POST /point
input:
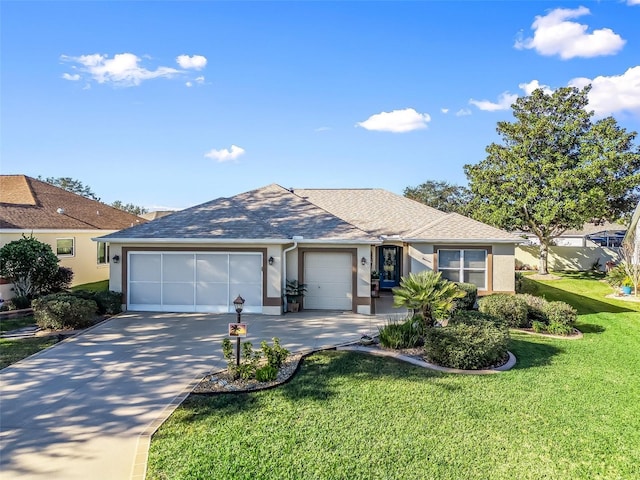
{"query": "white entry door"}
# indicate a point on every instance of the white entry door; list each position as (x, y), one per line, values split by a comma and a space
(328, 277)
(194, 282)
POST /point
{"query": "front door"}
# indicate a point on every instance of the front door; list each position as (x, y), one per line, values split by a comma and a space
(389, 261)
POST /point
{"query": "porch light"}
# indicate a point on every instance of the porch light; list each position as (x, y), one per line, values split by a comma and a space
(238, 303)
(116, 259)
(271, 260)
(363, 261)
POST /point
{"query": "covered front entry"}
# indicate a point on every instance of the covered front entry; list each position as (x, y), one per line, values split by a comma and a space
(329, 280)
(194, 281)
(390, 258)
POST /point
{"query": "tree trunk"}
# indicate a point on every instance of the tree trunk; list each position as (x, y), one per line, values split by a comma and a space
(544, 254)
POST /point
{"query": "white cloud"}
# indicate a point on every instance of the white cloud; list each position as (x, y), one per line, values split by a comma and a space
(463, 112)
(123, 69)
(633, 2)
(322, 129)
(534, 85)
(74, 78)
(225, 155)
(200, 79)
(189, 84)
(617, 93)
(397, 121)
(195, 62)
(505, 100)
(444, 110)
(555, 35)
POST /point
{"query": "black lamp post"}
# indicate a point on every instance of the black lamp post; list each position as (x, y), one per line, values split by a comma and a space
(238, 303)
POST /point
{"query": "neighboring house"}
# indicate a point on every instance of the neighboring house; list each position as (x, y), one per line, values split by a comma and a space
(201, 258)
(62, 219)
(156, 214)
(603, 234)
(634, 233)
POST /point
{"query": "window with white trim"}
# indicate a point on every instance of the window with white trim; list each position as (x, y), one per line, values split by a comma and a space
(468, 266)
(103, 253)
(65, 247)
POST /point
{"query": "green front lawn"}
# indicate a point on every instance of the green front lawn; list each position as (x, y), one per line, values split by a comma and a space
(8, 324)
(12, 350)
(568, 410)
(101, 286)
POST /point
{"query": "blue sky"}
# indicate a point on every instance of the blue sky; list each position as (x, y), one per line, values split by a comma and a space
(171, 104)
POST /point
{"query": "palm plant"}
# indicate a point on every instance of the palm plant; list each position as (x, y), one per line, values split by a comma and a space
(427, 294)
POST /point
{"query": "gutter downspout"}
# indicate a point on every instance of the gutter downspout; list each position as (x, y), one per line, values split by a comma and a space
(295, 239)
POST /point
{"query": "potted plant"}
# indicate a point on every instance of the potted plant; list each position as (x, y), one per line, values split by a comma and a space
(294, 292)
(626, 286)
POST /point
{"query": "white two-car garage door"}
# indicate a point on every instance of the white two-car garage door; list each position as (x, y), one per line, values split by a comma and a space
(194, 282)
(328, 277)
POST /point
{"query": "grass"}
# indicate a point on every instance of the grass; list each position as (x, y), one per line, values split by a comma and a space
(12, 350)
(569, 409)
(101, 286)
(7, 324)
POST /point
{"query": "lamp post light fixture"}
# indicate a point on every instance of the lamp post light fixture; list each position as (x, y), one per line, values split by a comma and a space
(238, 303)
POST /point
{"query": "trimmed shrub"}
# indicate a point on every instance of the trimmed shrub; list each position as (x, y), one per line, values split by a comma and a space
(61, 310)
(560, 313)
(473, 317)
(397, 335)
(469, 347)
(535, 308)
(510, 308)
(468, 302)
(266, 373)
(108, 302)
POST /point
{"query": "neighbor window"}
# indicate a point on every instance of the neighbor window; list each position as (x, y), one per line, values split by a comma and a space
(65, 247)
(103, 253)
(468, 266)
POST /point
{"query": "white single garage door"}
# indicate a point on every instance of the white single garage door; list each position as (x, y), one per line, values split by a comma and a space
(328, 277)
(194, 282)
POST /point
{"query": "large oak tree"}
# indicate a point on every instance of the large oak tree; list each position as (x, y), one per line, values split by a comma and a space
(555, 169)
(444, 196)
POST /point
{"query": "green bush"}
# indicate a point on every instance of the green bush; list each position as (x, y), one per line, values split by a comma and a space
(61, 310)
(560, 313)
(510, 308)
(266, 373)
(58, 282)
(474, 317)
(275, 355)
(398, 335)
(535, 308)
(19, 303)
(469, 347)
(468, 302)
(559, 328)
(108, 302)
(538, 327)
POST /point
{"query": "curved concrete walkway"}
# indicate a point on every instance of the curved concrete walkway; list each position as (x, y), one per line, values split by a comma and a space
(77, 410)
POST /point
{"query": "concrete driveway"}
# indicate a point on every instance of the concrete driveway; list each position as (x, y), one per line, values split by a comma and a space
(78, 409)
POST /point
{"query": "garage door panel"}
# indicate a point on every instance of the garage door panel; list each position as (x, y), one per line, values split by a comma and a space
(178, 293)
(178, 268)
(145, 293)
(145, 268)
(212, 268)
(211, 293)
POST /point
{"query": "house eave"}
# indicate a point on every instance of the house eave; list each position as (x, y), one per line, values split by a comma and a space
(465, 241)
(268, 241)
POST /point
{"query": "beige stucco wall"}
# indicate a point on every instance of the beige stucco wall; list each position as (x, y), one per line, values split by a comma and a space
(504, 268)
(84, 262)
(567, 258)
(421, 257)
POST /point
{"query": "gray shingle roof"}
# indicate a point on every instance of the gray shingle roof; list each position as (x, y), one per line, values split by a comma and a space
(270, 212)
(275, 213)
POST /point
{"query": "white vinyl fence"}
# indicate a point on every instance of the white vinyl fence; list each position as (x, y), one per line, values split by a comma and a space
(567, 258)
